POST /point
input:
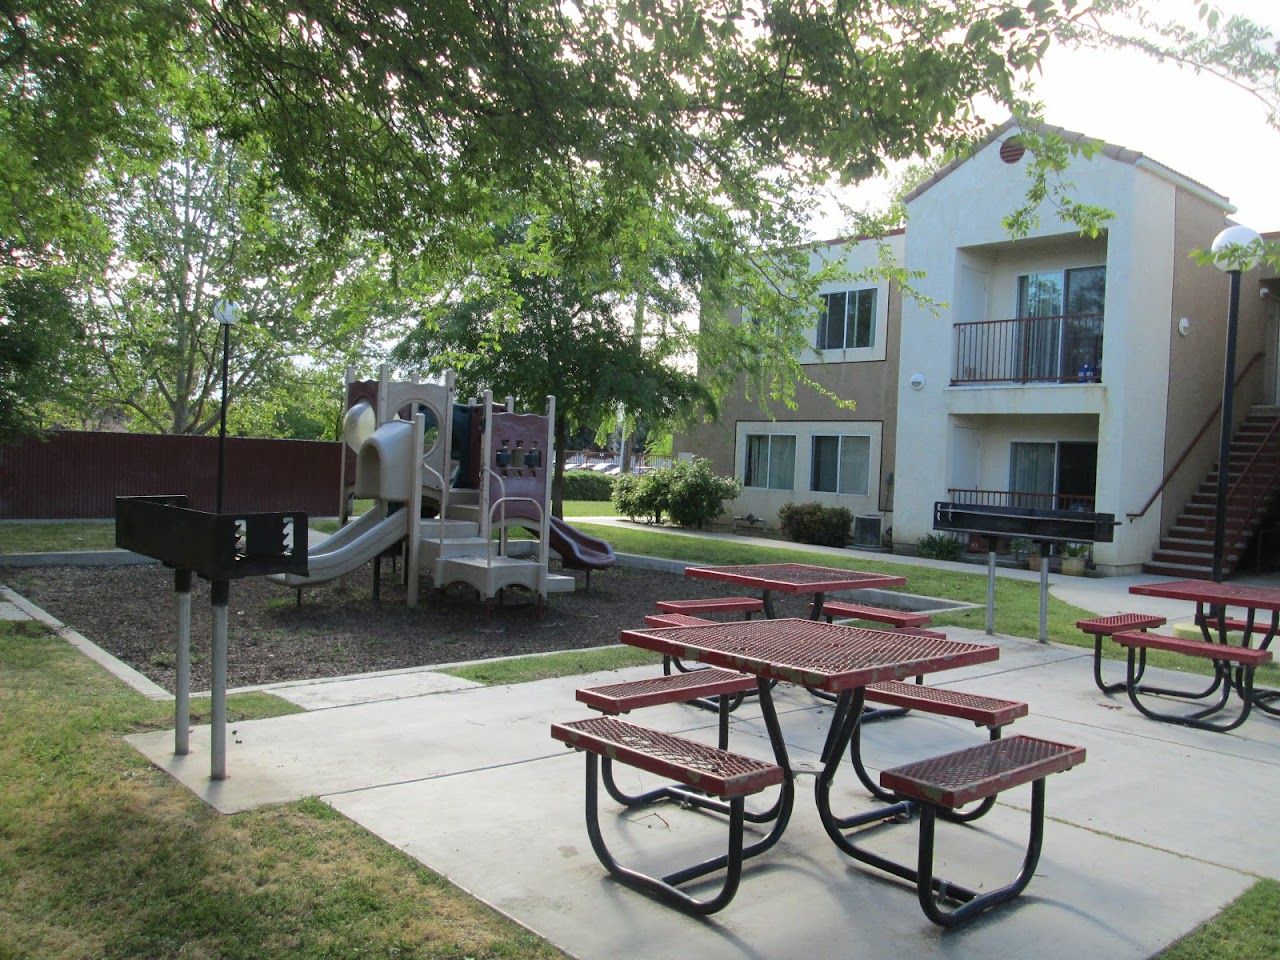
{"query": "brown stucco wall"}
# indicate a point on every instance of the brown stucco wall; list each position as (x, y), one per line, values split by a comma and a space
(1196, 361)
(872, 385)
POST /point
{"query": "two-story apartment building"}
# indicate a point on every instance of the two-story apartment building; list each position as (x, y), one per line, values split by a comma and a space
(1060, 371)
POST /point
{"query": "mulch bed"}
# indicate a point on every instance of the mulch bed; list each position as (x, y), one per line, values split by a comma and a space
(340, 629)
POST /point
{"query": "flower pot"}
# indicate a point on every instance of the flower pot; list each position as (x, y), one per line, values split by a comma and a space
(1073, 566)
(1033, 562)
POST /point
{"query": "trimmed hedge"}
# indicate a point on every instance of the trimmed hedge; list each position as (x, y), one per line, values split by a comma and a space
(587, 485)
(814, 523)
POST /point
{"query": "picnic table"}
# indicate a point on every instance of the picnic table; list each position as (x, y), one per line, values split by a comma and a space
(794, 578)
(834, 658)
(1258, 627)
(841, 660)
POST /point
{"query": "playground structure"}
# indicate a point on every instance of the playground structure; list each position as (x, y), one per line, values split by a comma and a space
(449, 481)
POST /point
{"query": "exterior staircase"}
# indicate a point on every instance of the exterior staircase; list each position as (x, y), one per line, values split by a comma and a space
(1253, 478)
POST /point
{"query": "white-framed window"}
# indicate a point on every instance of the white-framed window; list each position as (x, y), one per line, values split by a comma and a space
(770, 461)
(840, 464)
(847, 320)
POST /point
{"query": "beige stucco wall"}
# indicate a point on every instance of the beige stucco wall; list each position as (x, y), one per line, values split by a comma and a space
(1200, 294)
(872, 384)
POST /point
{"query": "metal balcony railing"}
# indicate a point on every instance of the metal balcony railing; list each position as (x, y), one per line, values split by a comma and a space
(1021, 498)
(1065, 349)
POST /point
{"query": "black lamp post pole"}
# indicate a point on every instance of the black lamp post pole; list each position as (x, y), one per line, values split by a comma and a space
(1224, 439)
(222, 417)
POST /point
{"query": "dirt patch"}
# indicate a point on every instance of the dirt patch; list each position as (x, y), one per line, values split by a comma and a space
(339, 628)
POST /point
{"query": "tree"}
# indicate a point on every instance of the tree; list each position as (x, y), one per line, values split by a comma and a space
(572, 339)
(209, 224)
(38, 330)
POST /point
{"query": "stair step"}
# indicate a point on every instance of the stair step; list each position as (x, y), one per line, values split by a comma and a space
(434, 529)
(1196, 571)
(1204, 557)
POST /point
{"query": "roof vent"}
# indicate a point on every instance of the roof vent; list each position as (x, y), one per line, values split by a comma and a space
(1011, 150)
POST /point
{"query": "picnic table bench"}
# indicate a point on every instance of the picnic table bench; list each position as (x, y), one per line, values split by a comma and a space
(1224, 657)
(1100, 627)
(724, 779)
(865, 611)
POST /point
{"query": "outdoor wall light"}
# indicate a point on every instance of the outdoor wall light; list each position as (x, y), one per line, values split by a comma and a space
(1184, 326)
(917, 381)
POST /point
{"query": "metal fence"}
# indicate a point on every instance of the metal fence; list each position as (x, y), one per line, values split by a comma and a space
(1035, 350)
(78, 475)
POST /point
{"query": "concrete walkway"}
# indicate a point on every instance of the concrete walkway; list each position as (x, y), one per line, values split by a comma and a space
(1140, 847)
(1155, 833)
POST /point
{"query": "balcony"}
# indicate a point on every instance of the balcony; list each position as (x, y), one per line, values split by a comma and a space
(1021, 498)
(1066, 349)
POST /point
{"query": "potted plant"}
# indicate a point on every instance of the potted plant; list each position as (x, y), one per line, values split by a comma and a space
(1073, 557)
(1020, 547)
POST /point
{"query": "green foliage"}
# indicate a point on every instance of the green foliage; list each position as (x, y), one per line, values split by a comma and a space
(587, 485)
(815, 523)
(570, 663)
(687, 491)
(940, 546)
(39, 329)
(640, 495)
(694, 495)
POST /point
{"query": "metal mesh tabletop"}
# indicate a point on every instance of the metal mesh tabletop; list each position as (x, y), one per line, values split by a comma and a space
(1206, 591)
(822, 655)
(795, 577)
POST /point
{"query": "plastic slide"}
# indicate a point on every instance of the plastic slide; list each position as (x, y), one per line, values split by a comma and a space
(577, 550)
(355, 544)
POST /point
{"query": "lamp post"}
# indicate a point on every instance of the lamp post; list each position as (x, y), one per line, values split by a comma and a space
(1233, 253)
(226, 313)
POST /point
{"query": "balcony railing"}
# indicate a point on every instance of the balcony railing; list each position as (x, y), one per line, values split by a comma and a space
(1022, 498)
(1064, 349)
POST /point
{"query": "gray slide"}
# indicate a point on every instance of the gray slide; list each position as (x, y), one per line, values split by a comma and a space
(353, 545)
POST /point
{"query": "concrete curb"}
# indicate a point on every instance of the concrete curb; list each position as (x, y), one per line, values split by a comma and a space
(116, 667)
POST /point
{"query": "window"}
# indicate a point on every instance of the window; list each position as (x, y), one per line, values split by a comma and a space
(848, 320)
(1031, 473)
(841, 464)
(1055, 293)
(771, 461)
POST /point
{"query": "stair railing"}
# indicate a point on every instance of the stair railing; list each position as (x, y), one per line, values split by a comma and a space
(1257, 480)
(1213, 416)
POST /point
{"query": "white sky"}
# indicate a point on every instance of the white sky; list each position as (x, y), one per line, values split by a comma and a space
(1199, 125)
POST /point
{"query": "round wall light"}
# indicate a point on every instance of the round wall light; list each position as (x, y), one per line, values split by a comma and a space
(917, 381)
(1184, 326)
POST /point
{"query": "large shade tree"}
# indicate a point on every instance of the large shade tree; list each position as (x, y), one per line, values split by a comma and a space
(426, 123)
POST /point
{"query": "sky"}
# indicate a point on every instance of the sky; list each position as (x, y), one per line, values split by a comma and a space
(1198, 125)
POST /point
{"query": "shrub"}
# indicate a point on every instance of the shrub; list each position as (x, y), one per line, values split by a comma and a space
(694, 495)
(940, 546)
(814, 523)
(687, 491)
(587, 485)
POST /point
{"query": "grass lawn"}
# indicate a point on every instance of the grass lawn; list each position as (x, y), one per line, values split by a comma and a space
(102, 855)
(68, 535)
(1017, 601)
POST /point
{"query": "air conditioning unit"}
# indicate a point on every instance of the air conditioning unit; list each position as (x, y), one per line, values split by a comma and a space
(866, 531)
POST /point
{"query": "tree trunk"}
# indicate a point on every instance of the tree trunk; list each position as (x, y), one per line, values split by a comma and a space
(557, 478)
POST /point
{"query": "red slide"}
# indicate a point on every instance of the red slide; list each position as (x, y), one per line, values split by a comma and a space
(579, 551)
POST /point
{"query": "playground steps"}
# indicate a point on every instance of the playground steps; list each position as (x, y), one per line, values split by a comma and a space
(489, 575)
(449, 529)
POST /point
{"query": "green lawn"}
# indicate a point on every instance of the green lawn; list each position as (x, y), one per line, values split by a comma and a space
(102, 855)
(68, 535)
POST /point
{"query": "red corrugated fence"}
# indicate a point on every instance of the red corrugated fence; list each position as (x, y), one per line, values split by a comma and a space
(71, 475)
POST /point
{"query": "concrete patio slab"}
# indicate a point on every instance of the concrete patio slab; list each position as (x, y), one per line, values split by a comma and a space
(1140, 847)
(1093, 896)
(323, 695)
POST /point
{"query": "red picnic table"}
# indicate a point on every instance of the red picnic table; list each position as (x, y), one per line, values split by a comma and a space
(1212, 600)
(844, 660)
(795, 578)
